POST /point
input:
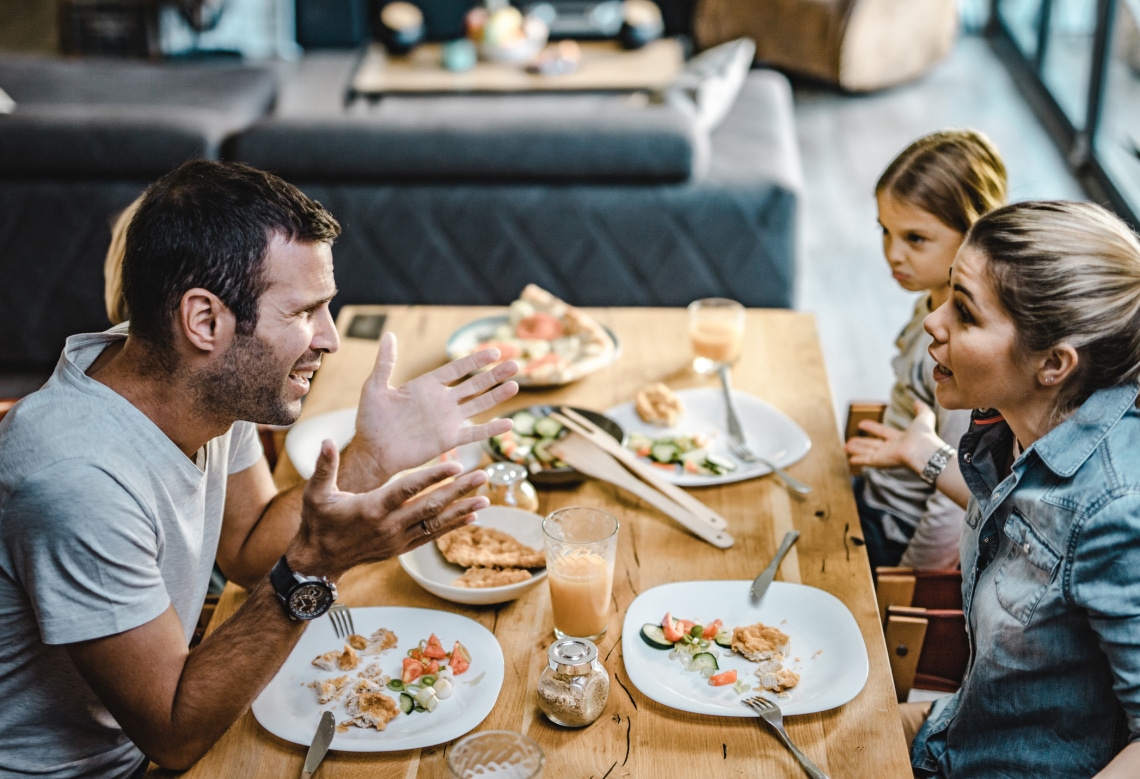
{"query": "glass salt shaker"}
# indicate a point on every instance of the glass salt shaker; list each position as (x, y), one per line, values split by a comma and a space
(574, 686)
(507, 486)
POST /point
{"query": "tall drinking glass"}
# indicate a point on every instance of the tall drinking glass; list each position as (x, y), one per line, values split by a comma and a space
(716, 331)
(581, 546)
(498, 753)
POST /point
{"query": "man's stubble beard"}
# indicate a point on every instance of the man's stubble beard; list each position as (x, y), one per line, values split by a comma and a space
(249, 384)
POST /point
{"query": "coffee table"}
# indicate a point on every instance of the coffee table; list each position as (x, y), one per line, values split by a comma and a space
(605, 67)
(636, 736)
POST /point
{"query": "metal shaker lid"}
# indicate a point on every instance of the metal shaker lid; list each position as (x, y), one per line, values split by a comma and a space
(572, 655)
(505, 473)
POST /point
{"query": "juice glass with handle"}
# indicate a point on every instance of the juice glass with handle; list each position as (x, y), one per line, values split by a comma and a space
(716, 331)
(581, 546)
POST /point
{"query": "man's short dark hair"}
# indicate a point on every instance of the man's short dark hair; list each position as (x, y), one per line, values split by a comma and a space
(209, 224)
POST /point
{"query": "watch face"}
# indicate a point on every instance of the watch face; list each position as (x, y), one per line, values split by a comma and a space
(310, 600)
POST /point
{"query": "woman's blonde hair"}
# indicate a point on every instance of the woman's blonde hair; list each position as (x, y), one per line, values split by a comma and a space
(954, 175)
(113, 266)
(1067, 273)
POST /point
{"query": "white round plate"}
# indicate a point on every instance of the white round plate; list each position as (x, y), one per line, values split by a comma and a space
(288, 707)
(431, 571)
(303, 441)
(826, 646)
(769, 432)
(464, 340)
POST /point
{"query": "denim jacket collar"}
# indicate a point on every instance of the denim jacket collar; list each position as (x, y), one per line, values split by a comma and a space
(1066, 447)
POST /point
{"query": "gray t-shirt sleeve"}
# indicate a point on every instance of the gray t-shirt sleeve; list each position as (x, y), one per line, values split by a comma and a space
(85, 552)
(245, 447)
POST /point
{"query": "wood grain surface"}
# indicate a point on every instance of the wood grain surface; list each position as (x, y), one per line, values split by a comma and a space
(635, 737)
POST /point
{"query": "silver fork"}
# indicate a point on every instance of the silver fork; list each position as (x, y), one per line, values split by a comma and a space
(341, 619)
(771, 714)
(736, 440)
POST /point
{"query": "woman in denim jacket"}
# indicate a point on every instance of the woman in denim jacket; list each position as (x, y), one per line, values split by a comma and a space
(1042, 335)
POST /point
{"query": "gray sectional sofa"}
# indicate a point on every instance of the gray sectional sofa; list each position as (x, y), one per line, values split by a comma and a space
(603, 199)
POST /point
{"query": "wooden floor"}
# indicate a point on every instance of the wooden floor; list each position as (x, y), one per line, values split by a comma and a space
(845, 143)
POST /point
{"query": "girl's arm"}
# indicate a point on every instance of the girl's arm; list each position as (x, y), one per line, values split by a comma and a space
(1126, 764)
(886, 447)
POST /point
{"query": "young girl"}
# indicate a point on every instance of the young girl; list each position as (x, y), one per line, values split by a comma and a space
(1042, 335)
(928, 198)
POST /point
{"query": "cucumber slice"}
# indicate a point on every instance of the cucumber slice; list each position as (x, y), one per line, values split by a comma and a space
(720, 464)
(724, 638)
(548, 428)
(407, 703)
(664, 452)
(704, 661)
(654, 635)
(542, 450)
(524, 422)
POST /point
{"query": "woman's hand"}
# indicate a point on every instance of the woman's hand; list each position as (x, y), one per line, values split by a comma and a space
(886, 447)
(404, 427)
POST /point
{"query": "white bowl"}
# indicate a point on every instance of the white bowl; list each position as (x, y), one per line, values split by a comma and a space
(430, 570)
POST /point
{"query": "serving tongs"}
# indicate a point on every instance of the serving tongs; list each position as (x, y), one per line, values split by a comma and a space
(592, 451)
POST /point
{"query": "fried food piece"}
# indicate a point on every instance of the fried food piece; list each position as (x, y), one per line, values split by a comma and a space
(491, 577)
(329, 689)
(778, 681)
(658, 405)
(357, 641)
(381, 640)
(348, 659)
(485, 547)
(327, 661)
(759, 642)
(370, 710)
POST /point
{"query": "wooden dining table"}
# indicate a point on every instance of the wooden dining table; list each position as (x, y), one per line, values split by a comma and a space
(635, 737)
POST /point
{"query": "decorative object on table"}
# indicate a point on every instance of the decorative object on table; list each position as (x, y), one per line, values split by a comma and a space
(288, 707)
(574, 685)
(303, 441)
(716, 332)
(558, 59)
(528, 443)
(826, 646)
(495, 752)
(459, 55)
(401, 27)
(580, 19)
(504, 34)
(429, 569)
(554, 342)
(581, 547)
(507, 486)
(641, 23)
(771, 432)
(710, 81)
(760, 583)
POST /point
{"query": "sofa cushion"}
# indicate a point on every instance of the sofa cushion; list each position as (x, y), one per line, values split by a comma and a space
(122, 117)
(710, 81)
(581, 138)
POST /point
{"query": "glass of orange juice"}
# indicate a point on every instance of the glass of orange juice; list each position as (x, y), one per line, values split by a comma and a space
(581, 546)
(716, 331)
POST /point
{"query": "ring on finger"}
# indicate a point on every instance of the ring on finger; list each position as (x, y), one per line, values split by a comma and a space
(427, 530)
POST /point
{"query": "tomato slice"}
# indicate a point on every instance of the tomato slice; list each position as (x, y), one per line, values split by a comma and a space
(670, 629)
(460, 659)
(434, 649)
(413, 669)
(712, 629)
(723, 678)
(539, 326)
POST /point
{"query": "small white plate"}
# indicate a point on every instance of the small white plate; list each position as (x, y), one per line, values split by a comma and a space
(769, 432)
(431, 571)
(826, 646)
(464, 341)
(288, 707)
(303, 441)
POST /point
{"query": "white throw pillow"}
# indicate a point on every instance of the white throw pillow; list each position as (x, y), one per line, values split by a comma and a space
(711, 81)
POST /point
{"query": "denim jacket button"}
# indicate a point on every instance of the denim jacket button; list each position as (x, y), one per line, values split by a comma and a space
(968, 457)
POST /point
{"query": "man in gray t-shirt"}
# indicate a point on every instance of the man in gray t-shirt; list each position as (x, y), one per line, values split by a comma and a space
(137, 466)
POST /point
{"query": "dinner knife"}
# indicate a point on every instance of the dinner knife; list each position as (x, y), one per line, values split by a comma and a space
(320, 745)
(761, 582)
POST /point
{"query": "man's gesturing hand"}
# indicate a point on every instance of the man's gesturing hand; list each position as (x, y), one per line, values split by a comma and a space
(340, 530)
(403, 427)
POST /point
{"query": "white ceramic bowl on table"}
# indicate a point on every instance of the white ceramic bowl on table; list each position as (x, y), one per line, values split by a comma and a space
(430, 570)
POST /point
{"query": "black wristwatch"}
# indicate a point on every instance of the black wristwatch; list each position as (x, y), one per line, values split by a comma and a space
(304, 597)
